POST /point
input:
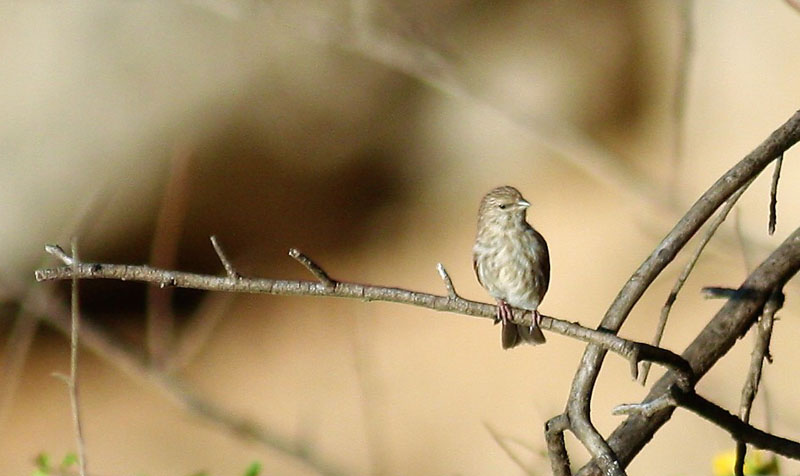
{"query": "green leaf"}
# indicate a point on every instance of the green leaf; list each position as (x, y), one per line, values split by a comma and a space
(69, 460)
(42, 462)
(254, 469)
(39, 472)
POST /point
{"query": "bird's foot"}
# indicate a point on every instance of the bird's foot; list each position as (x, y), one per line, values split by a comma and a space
(504, 313)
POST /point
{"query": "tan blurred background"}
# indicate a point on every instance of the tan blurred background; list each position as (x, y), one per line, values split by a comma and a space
(364, 133)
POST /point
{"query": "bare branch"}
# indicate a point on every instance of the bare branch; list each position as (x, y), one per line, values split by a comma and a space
(448, 283)
(556, 449)
(318, 272)
(229, 269)
(714, 341)
(741, 431)
(738, 429)
(773, 195)
(583, 383)
(760, 352)
(635, 352)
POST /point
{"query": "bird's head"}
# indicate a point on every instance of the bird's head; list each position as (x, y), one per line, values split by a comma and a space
(503, 205)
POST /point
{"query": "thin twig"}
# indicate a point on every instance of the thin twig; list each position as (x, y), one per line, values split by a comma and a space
(646, 409)
(59, 253)
(713, 225)
(773, 195)
(318, 272)
(760, 353)
(229, 269)
(448, 283)
(73, 364)
(21, 337)
(739, 430)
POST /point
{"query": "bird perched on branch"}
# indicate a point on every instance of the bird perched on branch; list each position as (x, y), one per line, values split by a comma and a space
(512, 262)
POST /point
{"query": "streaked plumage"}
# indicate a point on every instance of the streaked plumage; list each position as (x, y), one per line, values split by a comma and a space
(511, 261)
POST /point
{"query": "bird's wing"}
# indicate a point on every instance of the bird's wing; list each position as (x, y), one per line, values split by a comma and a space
(475, 268)
(543, 255)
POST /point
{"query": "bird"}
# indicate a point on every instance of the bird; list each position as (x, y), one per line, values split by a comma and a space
(512, 262)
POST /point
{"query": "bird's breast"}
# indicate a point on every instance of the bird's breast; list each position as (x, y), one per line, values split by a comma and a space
(510, 268)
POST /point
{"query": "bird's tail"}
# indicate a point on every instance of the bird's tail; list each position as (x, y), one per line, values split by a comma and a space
(514, 334)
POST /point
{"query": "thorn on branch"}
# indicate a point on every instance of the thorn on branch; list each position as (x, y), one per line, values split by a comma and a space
(229, 269)
(59, 253)
(634, 361)
(773, 195)
(318, 272)
(448, 283)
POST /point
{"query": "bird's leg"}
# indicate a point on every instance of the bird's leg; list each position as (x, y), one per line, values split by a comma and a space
(504, 313)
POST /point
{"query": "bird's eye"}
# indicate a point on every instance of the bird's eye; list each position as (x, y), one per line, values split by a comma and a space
(502, 206)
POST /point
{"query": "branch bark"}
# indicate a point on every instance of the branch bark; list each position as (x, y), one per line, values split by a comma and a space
(730, 323)
(578, 405)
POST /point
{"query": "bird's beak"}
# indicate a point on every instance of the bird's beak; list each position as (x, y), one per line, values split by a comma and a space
(524, 203)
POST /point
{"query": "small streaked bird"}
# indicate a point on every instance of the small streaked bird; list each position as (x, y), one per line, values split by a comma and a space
(512, 262)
